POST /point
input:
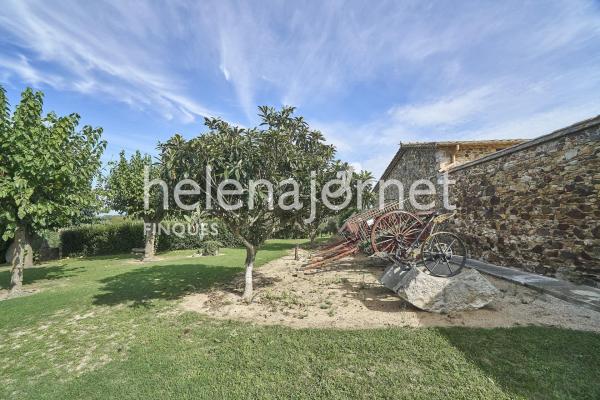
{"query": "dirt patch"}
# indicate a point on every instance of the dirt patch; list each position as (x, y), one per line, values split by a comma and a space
(146, 262)
(349, 296)
(5, 293)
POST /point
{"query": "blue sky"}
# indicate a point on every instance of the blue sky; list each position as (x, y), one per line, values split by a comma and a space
(368, 74)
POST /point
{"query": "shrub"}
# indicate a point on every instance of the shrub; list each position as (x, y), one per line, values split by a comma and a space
(121, 237)
(194, 241)
(329, 227)
(102, 239)
(210, 247)
(3, 247)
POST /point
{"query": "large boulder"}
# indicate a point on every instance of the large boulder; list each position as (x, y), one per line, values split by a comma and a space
(468, 290)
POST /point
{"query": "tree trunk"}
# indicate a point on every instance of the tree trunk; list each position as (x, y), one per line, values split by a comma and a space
(151, 228)
(28, 260)
(12, 250)
(22, 248)
(313, 236)
(250, 256)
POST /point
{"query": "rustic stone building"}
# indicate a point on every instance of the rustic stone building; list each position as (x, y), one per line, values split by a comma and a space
(422, 160)
(534, 205)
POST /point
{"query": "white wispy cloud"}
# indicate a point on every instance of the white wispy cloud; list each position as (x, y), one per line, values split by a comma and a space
(21, 66)
(446, 111)
(537, 124)
(97, 55)
(502, 109)
(368, 74)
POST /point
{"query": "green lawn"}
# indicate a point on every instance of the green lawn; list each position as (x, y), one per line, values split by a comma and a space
(107, 328)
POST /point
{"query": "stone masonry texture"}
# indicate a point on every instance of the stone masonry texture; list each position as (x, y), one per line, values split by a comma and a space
(536, 207)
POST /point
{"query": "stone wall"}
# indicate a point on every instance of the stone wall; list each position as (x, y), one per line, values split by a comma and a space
(415, 163)
(535, 206)
(467, 154)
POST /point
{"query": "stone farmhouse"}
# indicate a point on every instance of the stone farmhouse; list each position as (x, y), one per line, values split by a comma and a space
(425, 160)
(532, 205)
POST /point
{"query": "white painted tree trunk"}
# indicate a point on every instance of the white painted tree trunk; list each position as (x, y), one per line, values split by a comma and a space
(250, 255)
(313, 236)
(22, 247)
(150, 241)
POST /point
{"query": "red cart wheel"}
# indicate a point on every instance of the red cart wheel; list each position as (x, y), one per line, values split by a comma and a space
(393, 230)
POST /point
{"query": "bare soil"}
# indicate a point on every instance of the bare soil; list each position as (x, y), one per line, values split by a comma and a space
(5, 293)
(349, 296)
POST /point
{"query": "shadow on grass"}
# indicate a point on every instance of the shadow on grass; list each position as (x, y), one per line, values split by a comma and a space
(167, 282)
(35, 274)
(122, 256)
(534, 362)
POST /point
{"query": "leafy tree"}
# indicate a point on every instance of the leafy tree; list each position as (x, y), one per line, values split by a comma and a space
(315, 168)
(346, 204)
(281, 148)
(124, 190)
(322, 171)
(46, 172)
(330, 226)
(368, 196)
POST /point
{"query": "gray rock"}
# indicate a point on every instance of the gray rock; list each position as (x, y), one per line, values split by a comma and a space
(571, 153)
(468, 290)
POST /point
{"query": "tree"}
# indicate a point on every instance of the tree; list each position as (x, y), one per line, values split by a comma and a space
(277, 150)
(46, 172)
(322, 171)
(124, 190)
(317, 167)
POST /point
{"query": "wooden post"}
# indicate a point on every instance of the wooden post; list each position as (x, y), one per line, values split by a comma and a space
(296, 253)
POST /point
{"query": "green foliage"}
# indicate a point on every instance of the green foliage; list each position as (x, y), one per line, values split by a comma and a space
(119, 238)
(365, 247)
(282, 147)
(190, 242)
(3, 247)
(289, 232)
(124, 187)
(329, 227)
(210, 247)
(52, 238)
(46, 166)
(102, 239)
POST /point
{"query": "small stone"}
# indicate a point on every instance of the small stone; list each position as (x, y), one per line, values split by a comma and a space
(526, 298)
(568, 255)
(538, 249)
(569, 154)
(576, 214)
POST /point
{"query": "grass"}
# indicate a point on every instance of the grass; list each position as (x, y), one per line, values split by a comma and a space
(107, 328)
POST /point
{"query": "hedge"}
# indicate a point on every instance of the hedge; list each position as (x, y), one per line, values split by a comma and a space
(3, 247)
(118, 238)
(175, 242)
(102, 239)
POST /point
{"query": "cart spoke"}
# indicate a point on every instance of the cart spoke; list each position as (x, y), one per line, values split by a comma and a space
(398, 225)
(435, 265)
(448, 265)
